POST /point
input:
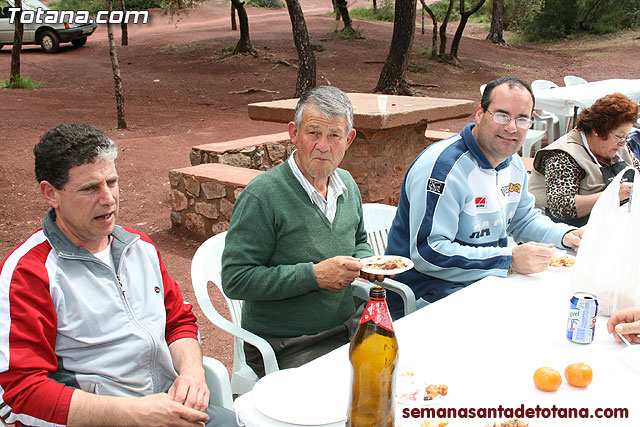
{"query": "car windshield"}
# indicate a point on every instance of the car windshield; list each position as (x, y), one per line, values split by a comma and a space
(31, 5)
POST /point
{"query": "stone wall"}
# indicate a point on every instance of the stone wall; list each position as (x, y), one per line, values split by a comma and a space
(202, 196)
(260, 153)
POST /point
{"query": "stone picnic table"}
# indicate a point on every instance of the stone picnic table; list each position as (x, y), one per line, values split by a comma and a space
(386, 143)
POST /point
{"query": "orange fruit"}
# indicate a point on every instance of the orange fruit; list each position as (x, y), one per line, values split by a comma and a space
(578, 374)
(547, 379)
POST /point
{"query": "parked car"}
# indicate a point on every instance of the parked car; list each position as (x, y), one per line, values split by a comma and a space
(39, 31)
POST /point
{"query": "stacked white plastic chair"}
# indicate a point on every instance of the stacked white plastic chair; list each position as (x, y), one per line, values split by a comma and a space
(573, 80)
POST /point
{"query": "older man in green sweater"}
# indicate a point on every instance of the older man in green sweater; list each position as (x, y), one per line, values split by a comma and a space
(295, 239)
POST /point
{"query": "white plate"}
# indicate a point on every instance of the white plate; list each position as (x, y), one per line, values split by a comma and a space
(417, 384)
(282, 397)
(560, 255)
(379, 259)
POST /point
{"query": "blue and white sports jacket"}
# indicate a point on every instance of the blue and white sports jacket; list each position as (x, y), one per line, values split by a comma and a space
(456, 211)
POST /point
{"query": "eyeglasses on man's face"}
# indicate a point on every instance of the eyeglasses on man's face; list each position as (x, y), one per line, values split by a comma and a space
(503, 119)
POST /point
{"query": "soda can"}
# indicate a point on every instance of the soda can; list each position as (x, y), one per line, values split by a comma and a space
(581, 325)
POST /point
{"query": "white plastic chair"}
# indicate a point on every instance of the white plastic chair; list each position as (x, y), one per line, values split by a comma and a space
(573, 80)
(542, 118)
(534, 137)
(218, 381)
(377, 222)
(206, 267)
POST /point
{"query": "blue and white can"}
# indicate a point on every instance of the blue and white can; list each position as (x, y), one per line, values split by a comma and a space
(581, 325)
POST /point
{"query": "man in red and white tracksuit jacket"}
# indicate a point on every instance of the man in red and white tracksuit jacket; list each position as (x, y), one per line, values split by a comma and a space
(93, 331)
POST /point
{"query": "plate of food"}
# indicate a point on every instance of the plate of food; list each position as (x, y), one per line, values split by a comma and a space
(419, 390)
(562, 262)
(387, 265)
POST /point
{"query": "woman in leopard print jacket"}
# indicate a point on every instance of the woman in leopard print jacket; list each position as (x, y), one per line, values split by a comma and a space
(570, 174)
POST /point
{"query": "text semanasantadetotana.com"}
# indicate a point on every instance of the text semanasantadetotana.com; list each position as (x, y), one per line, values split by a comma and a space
(520, 412)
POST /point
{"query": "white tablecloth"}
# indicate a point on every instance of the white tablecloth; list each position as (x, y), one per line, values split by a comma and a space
(562, 100)
(485, 342)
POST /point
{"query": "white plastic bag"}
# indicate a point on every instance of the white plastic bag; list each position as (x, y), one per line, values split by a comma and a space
(608, 260)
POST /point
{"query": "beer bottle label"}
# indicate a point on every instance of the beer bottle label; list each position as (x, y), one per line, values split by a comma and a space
(377, 311)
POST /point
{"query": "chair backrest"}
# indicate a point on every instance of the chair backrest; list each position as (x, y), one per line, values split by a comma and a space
(377, 222)
(206, 267)
(573, 80)
(542, 84)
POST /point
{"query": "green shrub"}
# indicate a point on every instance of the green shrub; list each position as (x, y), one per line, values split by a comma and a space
(384, 14)
(267, 4)
(23, 83)
(440, 10)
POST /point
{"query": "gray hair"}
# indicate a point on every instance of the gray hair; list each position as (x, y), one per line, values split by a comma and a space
(331, 101)
(69, 145)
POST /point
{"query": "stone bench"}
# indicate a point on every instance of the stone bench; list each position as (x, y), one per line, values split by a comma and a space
(436, 135)
(257, 152)
(202, 196)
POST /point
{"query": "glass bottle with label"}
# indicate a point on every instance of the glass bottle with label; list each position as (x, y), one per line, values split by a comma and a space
(373, 354)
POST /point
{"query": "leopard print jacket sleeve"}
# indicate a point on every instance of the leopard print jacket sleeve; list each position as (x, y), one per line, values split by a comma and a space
(562, 181)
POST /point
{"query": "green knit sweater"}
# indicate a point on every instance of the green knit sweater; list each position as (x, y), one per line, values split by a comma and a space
(275, 236)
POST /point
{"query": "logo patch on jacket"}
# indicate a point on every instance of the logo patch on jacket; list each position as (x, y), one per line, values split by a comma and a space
(511, 188)
(435, 186)
(481, 202)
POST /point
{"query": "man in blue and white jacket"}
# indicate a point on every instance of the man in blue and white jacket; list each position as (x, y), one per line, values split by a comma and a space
(462, 198)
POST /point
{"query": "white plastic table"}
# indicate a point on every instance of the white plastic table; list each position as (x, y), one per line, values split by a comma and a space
(485, 342)
(565, 101)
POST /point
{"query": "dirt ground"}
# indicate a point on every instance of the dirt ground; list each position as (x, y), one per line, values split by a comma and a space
(178, 94)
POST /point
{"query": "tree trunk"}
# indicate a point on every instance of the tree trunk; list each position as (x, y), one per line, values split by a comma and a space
(464, 18)
(335, 9)
(117, 80)
(179, 4)
(391, 79)
(234, 27)
(244, 44)
(443, 31)
(14, 74)
(344, 13)
(123, 26)
(586, 15)
(497, 23)
(307, 67)
(434, 38)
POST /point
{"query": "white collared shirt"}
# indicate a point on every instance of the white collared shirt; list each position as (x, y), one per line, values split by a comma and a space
(335, 188)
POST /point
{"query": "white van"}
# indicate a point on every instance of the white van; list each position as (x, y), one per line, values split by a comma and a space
(47, 35)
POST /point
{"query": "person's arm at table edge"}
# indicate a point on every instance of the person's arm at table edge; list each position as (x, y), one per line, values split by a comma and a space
(529, 225)
(248, 247)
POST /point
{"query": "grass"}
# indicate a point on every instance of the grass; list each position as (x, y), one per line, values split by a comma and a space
(176, 49)
(384, 14)
(23, 83)
(416, 68)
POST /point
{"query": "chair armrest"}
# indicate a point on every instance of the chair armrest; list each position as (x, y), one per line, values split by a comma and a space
(268, 355)
(218, 382)
(405, 292)
(361, 290)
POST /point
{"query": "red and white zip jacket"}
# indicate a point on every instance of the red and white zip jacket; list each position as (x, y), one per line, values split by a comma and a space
(68, 320)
